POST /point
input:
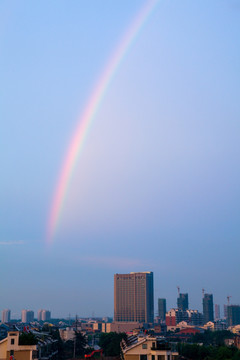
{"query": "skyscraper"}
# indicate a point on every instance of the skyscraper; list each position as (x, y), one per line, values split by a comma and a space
(44, 315)
(182, 302)
(6, 314)
(133, 297)
(217, 311)
(233, 315)
(207, 308)
(27, 316)
(162, 309)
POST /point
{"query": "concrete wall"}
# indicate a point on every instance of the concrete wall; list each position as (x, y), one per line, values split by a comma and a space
(3, 349)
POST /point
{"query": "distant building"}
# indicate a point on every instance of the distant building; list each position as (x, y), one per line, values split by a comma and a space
(6, 316)
(27, 316)
(162, 309)
(176, 316)
(194, 317)
(39, 315)
(120, 327)
(208, 308)
(44, 315)
(217, 311)
(225, 311)
(182, 302)
(233, 315)
(67, 334)
(133, 297)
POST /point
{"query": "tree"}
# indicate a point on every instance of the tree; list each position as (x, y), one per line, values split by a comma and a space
(80, 343)
(110, 343)
(27, 339)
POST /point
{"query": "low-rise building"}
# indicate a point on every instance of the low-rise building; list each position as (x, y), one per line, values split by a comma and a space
(44, 348)
(120, 326)
(147, 348)
(175, 316)
(67, 334)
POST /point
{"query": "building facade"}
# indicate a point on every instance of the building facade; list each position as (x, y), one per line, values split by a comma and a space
(182, 302)
(44, 315)
(217, 311)
(147, 348)
(27, 316)
(133, 297)
(45, 348)
(162, 309)
(208, 308)
(233, 315)
(6, 316)
(176, 316)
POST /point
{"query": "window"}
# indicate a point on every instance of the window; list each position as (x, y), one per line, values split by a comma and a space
(153, 345)
(161, 357)
(143, 357)
(153, 357)
(144, 346)
(11, 352)
(12, 341)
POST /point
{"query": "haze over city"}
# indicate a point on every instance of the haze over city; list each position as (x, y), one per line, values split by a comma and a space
(156, 184)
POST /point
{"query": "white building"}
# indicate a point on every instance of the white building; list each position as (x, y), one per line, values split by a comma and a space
(6, 315)
(44, 315)
(27, 316)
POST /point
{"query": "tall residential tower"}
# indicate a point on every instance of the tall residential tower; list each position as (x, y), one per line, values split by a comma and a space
(207, 308)
(162, 309)
(182, 302)
(133, 297)
(6, 315)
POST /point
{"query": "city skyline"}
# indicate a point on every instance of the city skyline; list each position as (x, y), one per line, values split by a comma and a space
(208, 309)
(156, 185)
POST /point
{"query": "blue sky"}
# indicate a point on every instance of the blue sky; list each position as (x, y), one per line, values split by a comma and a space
(157, 184)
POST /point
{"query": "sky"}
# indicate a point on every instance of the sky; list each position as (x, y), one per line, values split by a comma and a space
(156, 184)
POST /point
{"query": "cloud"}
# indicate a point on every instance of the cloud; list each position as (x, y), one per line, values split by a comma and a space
(11, 243)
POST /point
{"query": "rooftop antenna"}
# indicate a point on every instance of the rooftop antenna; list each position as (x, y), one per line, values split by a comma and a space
(178, 289)
(203, 291)
(228, 299)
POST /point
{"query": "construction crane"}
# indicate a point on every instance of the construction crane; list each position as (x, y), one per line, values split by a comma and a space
(228, 299)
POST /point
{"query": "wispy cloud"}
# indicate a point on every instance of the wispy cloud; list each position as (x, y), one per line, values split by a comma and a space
(11, 243)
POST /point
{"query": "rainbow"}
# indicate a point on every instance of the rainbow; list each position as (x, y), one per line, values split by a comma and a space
(84, 122)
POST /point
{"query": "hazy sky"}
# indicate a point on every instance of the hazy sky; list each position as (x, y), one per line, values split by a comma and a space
(157, 184)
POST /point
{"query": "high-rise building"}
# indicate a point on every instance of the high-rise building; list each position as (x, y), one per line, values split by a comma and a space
(39, 315)
(175, 316)
(27, 316)
(225, 311)
(207, 308)
(233, 315)
(217, 311)
(133, 297)
(6, 315)
(44, 315)
(162, 309)
(182, 302)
